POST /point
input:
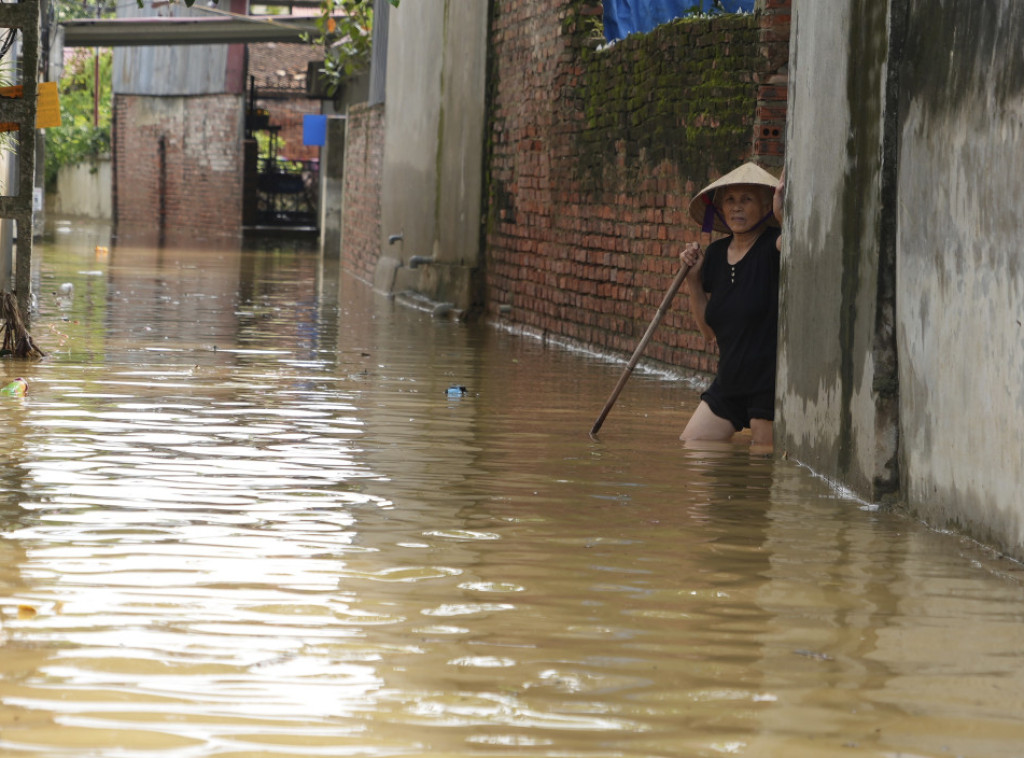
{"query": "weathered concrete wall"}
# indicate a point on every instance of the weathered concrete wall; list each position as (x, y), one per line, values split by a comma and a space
(83, 190)
(961, 271)
(432, 177)
(901, 327)
(837, 383)
(332, 188)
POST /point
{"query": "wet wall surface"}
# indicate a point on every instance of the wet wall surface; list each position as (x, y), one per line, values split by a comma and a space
(959, 274)
(245, 513)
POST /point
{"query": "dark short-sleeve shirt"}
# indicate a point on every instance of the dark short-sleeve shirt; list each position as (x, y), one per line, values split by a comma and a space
(743, 311)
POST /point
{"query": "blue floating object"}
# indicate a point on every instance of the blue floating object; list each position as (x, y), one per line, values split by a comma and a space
(456, 390)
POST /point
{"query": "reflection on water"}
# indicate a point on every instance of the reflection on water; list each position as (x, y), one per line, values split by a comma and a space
(242, 517)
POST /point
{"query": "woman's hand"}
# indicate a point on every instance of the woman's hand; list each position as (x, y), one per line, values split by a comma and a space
(778, 202)
(779, 197)
(693, 257)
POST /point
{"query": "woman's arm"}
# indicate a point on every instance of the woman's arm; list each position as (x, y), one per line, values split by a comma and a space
(693, 257)
(778, 204)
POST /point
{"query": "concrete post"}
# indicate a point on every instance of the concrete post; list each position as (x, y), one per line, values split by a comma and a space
(379, 51)
(18, 206)
(39, 175)
(837, 381)
(332, 188)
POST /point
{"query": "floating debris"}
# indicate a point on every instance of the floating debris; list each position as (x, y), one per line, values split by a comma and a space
(17, 388)
(814, 655)
(456, 390)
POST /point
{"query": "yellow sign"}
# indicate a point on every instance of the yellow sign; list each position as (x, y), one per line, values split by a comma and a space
(47, 105)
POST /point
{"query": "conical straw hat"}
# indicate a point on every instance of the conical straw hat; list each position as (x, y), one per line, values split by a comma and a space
(702, 206)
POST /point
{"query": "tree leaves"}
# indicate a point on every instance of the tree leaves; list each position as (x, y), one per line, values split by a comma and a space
(345, 31)
(79, 138)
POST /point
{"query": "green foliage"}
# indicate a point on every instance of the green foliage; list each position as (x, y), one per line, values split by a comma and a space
(78, 138)
(66, 10)
(345, 30)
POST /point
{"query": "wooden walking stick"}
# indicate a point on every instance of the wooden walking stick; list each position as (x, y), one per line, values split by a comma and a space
(672, 290)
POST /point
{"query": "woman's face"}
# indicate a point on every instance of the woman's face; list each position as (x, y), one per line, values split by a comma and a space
(743, 206)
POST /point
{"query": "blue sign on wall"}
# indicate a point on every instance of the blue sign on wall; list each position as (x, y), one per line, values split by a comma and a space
(314, 130)
(625, 17)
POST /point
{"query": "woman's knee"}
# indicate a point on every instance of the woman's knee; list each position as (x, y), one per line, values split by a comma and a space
(705, 425)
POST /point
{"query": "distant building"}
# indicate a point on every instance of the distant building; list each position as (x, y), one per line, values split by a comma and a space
(187, 122)
(278, 73)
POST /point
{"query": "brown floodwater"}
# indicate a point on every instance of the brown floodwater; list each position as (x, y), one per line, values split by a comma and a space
(242, 516)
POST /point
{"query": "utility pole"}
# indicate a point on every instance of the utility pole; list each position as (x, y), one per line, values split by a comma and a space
(22, 111)
(379, 51)
(40, 73)
(96, 76)
(8, 179)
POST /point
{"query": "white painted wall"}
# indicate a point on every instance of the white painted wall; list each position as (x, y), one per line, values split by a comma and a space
(84, 191)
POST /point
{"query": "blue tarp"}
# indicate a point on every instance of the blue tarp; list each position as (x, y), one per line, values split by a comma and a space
(625, 17)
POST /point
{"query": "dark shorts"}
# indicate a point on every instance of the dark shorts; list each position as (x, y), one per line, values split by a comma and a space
(739, 409)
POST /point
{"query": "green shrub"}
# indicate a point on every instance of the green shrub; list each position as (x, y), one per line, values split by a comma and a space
(79, 138)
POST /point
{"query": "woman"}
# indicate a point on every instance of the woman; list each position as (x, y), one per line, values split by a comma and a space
(734, 298)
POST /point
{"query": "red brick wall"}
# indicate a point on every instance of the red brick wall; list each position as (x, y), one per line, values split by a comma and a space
(770, 127)
(594, 155)
(195, 189)
(364, 164)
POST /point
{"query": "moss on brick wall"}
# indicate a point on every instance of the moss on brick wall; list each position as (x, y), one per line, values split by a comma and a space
(685, 93)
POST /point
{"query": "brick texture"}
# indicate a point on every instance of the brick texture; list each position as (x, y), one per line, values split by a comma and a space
(178, 166)
(364, 166)
(595, 153)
